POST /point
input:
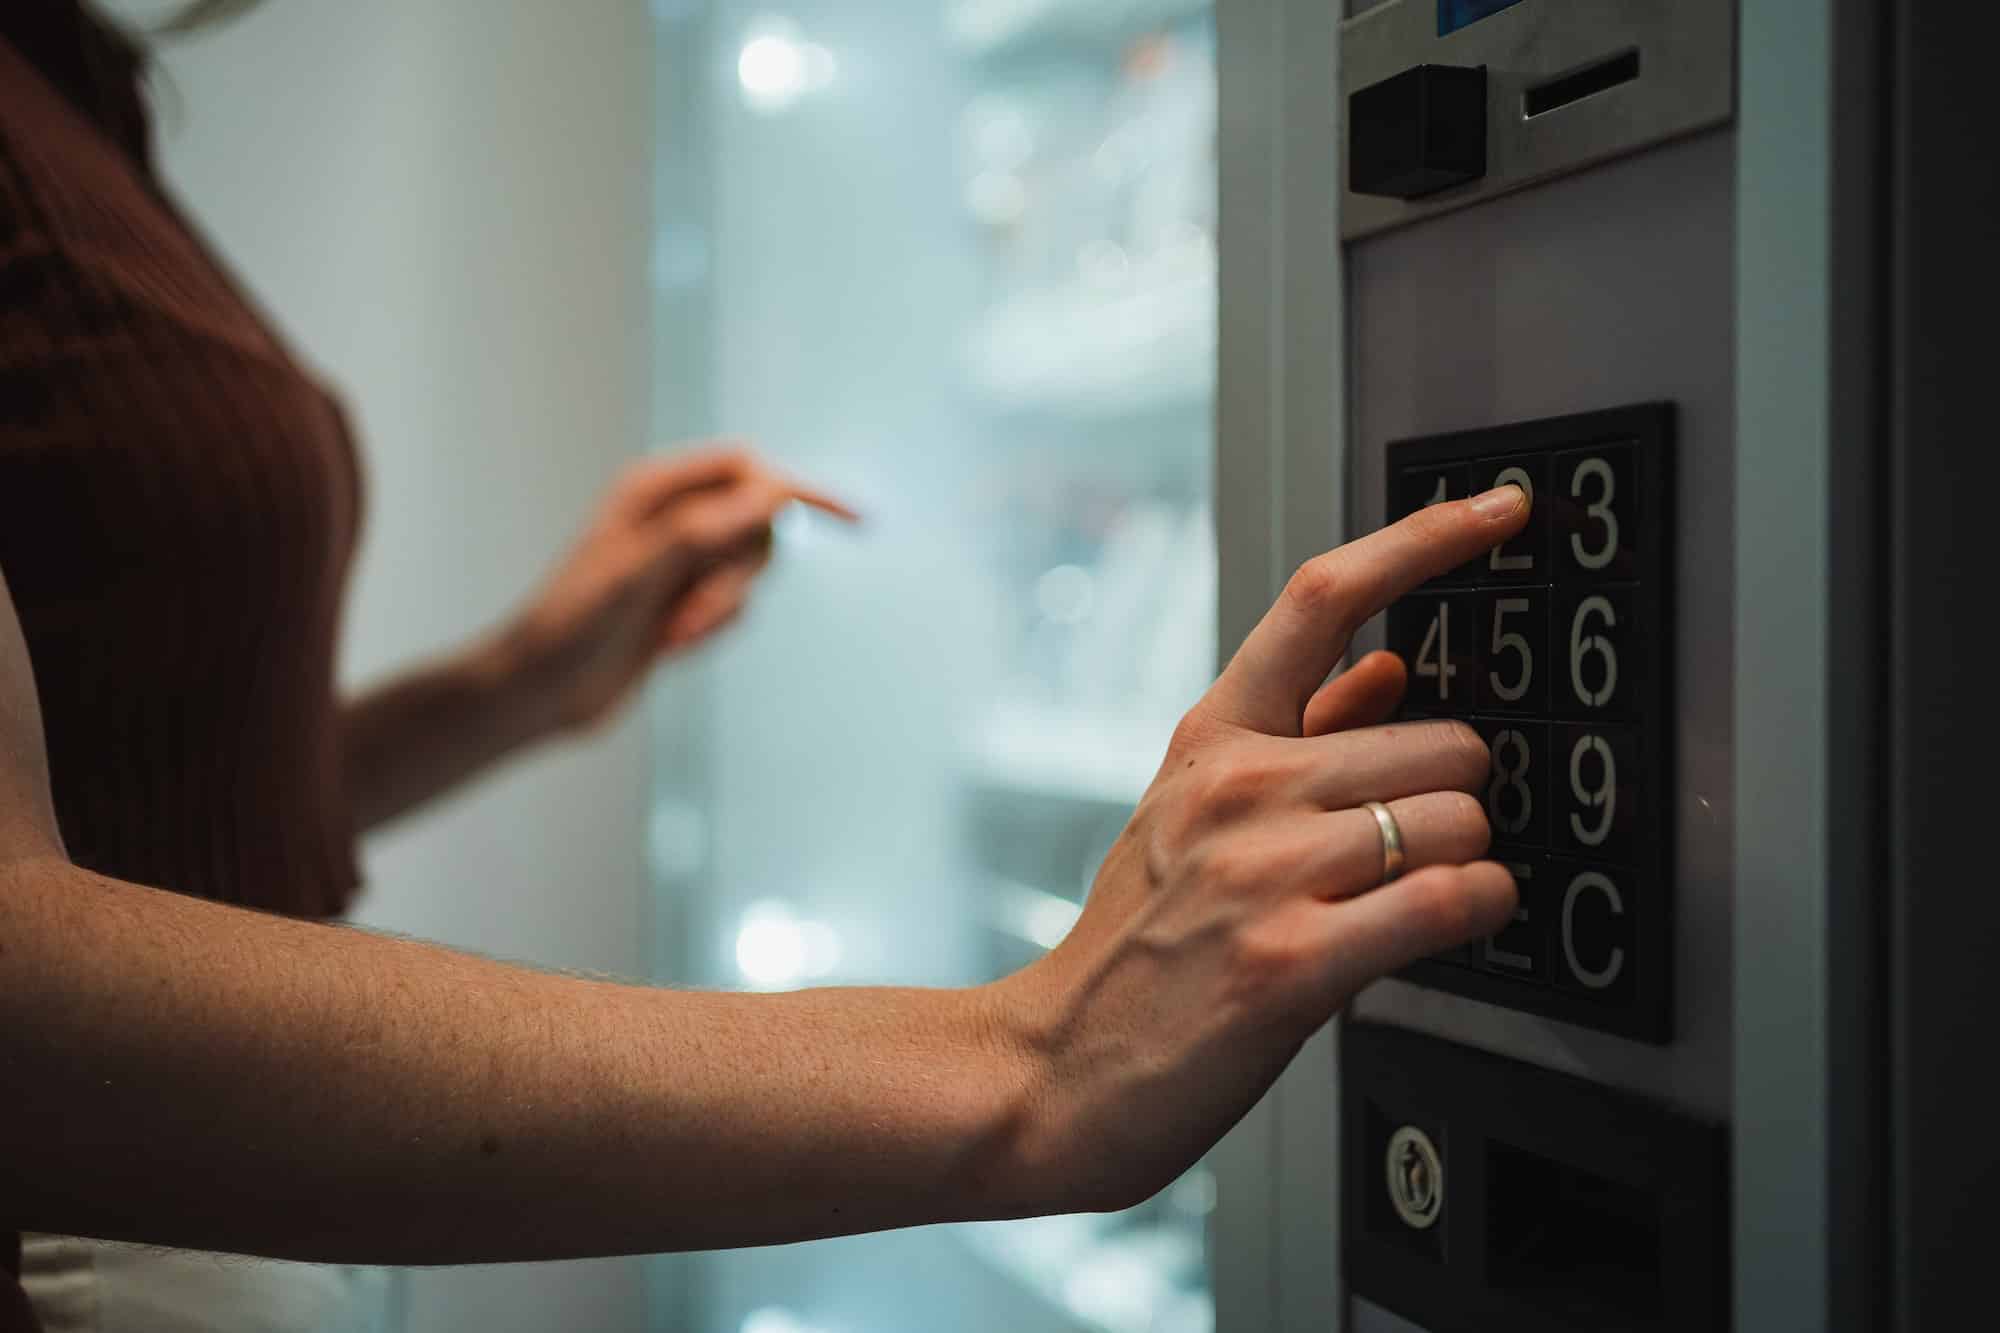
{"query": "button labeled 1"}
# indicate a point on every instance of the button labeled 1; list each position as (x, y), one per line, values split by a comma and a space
(1437, 638)
(1419, 487)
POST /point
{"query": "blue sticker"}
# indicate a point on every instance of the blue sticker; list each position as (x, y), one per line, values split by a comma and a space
(1455, 14)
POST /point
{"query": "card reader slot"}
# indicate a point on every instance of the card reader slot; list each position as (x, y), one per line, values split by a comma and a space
(1600, 76)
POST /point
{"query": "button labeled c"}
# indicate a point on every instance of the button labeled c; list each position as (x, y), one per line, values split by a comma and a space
(1595, 978)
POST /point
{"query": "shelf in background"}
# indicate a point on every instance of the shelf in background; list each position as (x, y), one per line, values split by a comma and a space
(1067, 755)
(1081, 349)
(997, 29)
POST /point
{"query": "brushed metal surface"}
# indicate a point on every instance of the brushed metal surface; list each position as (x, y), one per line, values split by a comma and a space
(1686, 82)
(1611, 287)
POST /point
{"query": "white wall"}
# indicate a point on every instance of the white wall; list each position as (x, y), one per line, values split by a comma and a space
(446, 204)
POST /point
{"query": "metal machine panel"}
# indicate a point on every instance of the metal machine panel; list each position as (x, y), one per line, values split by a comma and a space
(1600, 290)
(1568, 83)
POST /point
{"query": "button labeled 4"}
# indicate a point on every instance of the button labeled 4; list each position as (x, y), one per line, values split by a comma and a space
(1437, 638)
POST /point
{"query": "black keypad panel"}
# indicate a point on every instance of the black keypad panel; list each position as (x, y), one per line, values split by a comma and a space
(1556, 649)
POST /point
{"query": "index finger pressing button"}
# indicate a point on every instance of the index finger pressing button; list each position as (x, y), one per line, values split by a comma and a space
(1300, 640)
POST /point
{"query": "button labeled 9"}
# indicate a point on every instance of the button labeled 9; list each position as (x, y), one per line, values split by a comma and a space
(1598, 798)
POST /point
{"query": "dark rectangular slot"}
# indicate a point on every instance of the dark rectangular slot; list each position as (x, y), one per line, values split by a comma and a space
(1580, 83)
(1583, 1248)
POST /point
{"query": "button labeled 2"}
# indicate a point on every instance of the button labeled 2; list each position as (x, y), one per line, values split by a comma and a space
(1523, 558)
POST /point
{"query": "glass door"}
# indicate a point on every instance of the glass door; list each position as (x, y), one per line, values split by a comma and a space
(955, 262)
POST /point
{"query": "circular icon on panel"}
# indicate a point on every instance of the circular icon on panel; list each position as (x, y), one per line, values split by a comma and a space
(1416, 1177)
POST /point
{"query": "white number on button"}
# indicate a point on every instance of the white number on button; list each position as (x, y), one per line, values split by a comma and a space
(1511, 641)
(1437, 496)
(1600, 510)
(1603, 798)
(1518, 477)
(1520, 962)
(1434, 658)
(1581, 646)
(1599, 977)
(1508, 777)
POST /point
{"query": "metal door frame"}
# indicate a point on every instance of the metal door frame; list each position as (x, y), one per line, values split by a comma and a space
(1808, 1150)
(1275, 1242)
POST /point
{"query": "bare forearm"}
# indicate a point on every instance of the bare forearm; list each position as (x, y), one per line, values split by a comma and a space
(190, 1074)
(435, 727)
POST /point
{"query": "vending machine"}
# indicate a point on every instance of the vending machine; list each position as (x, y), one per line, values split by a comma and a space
(1700, 276)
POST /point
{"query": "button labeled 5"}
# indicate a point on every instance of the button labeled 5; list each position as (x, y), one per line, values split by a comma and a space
(1513, 635)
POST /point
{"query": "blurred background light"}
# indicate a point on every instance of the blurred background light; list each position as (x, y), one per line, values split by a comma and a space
(1065, 594)
(771, 1319)
(777, 66)
(776, 948)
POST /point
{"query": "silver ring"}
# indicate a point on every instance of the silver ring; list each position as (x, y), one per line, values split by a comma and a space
(1392, 839)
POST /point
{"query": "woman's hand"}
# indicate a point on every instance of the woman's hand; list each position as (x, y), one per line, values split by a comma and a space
(667, 561)
(1243, 904)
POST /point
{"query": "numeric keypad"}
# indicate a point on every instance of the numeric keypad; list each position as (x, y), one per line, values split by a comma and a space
(1554, 647)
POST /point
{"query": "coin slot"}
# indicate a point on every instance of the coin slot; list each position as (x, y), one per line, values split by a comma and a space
(1573, 1242)
(1565, 89)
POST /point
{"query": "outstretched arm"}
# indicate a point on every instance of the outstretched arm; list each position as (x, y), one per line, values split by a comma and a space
(191, 1074)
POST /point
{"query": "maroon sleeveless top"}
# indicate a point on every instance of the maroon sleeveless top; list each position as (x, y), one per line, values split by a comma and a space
(178, 504)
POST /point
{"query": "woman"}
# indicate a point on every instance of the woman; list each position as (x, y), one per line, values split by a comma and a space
(178, 503)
